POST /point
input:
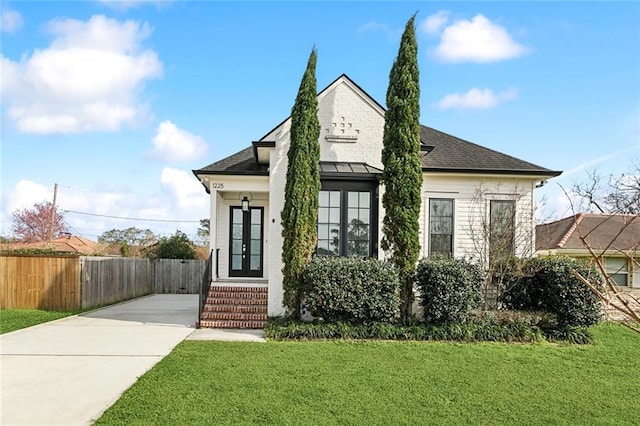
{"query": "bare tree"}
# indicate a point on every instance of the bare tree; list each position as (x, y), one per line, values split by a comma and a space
(501, 232)
(624, 304)
(611, 194)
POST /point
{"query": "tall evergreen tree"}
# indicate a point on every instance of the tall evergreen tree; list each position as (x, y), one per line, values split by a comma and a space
(300, 212)
(402, 174)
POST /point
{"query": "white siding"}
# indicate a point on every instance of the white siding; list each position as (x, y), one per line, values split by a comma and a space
(471, 195)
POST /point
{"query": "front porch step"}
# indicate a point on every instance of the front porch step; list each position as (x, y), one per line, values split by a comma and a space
(232, 324)
(229, 306)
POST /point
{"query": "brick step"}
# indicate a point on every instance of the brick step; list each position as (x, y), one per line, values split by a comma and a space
(231, 324)
(240, 316)
(233, 289)
(236, 295)
(256, 309)
(233, 301)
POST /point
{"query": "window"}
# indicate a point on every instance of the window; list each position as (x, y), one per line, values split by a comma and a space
(440, 227)
(347, 217)
(617, 269)
(501, 228)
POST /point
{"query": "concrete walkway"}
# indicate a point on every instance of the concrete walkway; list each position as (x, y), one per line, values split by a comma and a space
(67, 372)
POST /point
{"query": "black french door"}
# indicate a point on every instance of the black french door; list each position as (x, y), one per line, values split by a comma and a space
(245, 242)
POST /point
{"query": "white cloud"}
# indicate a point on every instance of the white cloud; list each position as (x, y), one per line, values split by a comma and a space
(476, 99)
(393, 34)
(172, 144)
(477, 40)
(188, 193)
(87, 80)
(10, 20)
(433, 24)
(25, 194)
(124, 5)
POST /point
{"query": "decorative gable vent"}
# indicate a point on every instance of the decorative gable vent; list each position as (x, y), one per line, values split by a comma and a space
(342, 131)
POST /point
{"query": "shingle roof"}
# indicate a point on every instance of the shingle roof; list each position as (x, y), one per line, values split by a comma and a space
(240, 163)
(601, 231)
(449, 154)
(452, 154)
(69, 244)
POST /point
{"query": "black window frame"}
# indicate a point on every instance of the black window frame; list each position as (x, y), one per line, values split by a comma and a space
(346, 186)
(431, 233)
(499, 252)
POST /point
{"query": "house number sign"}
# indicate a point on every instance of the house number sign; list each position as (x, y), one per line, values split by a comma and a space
(217, 185)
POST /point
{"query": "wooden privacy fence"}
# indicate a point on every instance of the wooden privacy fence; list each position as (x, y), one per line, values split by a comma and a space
(73, 282)
(34, 282)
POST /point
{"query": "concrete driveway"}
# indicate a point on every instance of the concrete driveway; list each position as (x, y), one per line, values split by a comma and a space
(69, 371)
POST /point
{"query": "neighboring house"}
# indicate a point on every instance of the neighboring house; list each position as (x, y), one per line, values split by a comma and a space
(69, 244)
(467, 192)
(615, 238)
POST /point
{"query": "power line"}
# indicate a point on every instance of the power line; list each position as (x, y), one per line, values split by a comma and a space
(133, 218)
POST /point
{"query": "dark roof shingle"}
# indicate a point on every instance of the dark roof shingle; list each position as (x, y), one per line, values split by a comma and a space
(453, 154)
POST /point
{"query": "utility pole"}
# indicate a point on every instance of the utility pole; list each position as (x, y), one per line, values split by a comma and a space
(53, 213)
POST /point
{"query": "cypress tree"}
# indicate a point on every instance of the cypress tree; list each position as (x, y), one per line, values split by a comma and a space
(300, 212)
(402, 174)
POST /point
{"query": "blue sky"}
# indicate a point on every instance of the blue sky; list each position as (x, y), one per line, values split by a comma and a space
(118, 101)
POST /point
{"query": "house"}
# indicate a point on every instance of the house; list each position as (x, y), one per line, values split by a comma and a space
(616, 238)
(69, 244)
(466, 187)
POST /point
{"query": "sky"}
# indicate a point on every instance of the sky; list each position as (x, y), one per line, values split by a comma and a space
(117, 102)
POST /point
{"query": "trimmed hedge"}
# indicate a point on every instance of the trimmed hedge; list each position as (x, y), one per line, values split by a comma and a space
(351, 289)
(548, 284)
(450, 288)
(522, 331)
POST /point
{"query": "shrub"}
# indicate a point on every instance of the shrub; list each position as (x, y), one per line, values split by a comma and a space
(549, 285)
(177, 246)
(450, 289)
(279, 329)
(350, 289)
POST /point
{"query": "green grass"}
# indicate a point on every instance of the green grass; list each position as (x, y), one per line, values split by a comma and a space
(389, 383)
(15, 319)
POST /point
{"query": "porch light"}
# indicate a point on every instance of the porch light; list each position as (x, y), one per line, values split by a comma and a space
(245, 204)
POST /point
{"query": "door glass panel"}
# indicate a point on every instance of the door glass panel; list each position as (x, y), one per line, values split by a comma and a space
(236, 262)
(237, 232)
(236, 246)
(255, 263)
(256, 230)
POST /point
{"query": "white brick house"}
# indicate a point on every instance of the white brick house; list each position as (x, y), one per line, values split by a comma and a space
(465, 187)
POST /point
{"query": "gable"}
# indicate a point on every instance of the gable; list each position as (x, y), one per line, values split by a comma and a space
(351, 130)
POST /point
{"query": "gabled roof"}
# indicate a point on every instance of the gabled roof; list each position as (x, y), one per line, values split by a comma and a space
(601, 231)
(441, 152)
(70, 244)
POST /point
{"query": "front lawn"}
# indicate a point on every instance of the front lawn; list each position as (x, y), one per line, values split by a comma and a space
(342, 382)
(15, 319)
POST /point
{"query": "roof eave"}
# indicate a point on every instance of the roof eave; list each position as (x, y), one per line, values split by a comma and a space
(545, 173)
